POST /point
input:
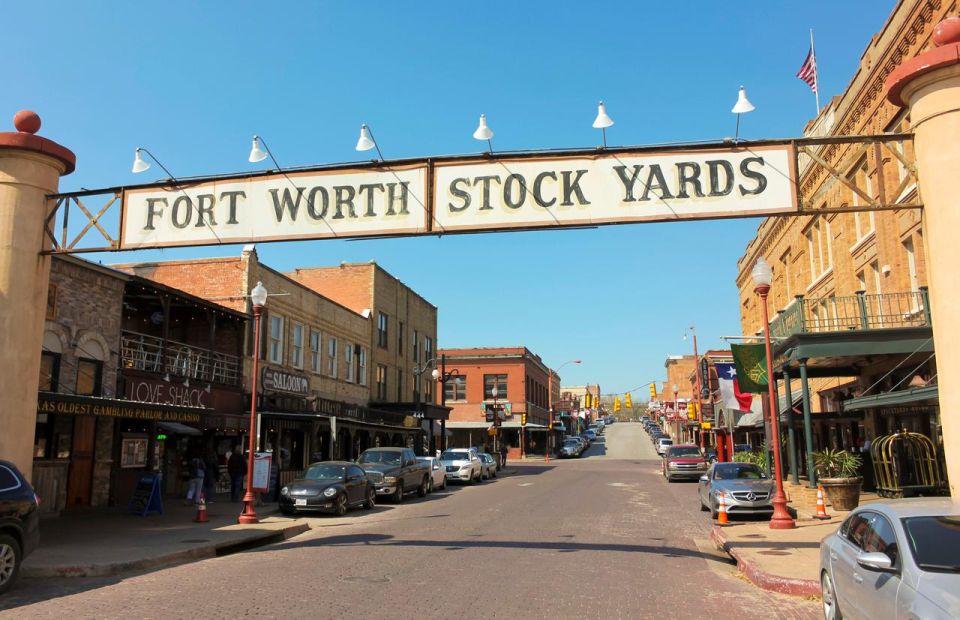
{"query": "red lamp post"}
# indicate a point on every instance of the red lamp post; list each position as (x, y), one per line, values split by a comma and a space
(249, 515)
(781, 520)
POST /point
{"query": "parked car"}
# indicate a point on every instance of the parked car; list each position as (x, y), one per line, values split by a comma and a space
(571, 448)
(581, 441)
(19, 523)
(591, 435)
(662, 444)
(438, 477)
(895, 559)
(462, 465)
(395, 471)
(488, 466)
(686, 461)
(328, 486)
(746, 489)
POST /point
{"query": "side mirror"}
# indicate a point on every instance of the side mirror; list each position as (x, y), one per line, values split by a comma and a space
(876, 561)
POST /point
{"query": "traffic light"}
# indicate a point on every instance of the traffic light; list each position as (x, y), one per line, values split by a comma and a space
(616, 404)
(628, 401)
(653, 391)
(691, 411)
(523, 419)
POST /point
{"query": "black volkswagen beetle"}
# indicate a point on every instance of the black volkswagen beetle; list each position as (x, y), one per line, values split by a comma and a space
(329, 486)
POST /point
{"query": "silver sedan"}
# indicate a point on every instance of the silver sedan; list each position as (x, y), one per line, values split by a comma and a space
(746, 489)
(897, 559)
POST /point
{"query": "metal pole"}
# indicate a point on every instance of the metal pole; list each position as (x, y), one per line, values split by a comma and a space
(443, 400)
(696, 368)
(249, 514)
(791, 432)
(549, 413)
(807, 425)
(781, 519)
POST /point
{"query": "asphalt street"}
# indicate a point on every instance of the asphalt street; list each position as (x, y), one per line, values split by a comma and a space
(603, 536)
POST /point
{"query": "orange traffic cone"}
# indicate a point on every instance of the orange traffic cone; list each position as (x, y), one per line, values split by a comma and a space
(201, 510)
(722, 511)
(821, 507)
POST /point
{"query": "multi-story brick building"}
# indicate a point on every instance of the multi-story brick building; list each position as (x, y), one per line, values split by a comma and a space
(852, 315)
(512, 377)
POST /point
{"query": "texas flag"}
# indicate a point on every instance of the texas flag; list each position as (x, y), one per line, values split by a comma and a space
(730, 394)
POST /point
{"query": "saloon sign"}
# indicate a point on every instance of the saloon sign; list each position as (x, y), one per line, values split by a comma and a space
(276, 380)
(446, 195)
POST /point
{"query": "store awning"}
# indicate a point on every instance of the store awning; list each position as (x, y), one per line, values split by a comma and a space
(178, 429)
(890, 399)
(486, 425)
(750, 420)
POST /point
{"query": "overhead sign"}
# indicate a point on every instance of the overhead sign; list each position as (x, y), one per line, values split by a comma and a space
(458, 194)
(277, 380)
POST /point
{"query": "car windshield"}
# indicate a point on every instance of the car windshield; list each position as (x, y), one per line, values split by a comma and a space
(451, 455)
(325, 472)
(377, 456)
(570, 442)
(690, 451)
(737, 471)
(666, 442)
(934, 542)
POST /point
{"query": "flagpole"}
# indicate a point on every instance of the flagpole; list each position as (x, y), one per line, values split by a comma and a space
(816, 72)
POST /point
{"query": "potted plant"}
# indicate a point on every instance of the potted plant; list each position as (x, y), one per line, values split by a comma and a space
(838, 472)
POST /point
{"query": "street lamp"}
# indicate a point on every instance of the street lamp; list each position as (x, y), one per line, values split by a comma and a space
(550, 405)
(259, 297)
(676, 413)
(699, 386)
(762, 275)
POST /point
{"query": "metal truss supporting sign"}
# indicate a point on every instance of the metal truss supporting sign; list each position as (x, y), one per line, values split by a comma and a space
(484, 193)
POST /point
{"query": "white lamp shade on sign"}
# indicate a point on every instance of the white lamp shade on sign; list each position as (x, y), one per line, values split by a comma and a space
(259, 294)
(365, 143)
(256, 153)
(138, 164)
(602, 121)
(761, 273)
(743, 104)
(483, 132)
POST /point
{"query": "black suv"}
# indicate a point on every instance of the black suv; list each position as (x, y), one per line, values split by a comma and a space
(19, 522)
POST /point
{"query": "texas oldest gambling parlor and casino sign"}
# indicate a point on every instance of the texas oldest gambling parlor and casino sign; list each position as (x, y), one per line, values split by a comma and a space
(444, 195)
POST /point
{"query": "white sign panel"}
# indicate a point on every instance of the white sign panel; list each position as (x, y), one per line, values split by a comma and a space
(325, 204)
(603, 189)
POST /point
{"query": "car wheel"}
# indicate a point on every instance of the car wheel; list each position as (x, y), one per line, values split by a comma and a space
(669, 478)
(340, 505)
(703, 507)
(714, 512)
(830, 609)
(398, 494)
(422, 489)
(430, 485)
(10, 558)
(371, 500)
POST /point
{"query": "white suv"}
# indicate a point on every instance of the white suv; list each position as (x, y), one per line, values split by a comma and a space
(461, 465)
(662, 444)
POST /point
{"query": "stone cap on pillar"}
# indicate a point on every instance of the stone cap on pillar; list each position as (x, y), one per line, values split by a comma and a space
(27, 124)
(946, 38)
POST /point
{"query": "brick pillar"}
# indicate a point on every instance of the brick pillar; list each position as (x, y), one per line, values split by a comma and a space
(30, 168)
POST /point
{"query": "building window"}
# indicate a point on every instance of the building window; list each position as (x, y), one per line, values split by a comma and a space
(416, 346)
(315, 351)
(381, 382)
(500, 381)
(428, 389)
(382, 322)
(362, 365)
(820, 248)
(332, 357)
(455, 388)
(296, 342)
(912, 265)
(49, 371)
(400, 339)
(89, 377)
(348, 362)
(399, 385)
(427, 348)
(861, 281)
(276, 339)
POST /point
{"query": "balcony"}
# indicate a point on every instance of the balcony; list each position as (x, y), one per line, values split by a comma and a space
(856, 312)
(152, 354)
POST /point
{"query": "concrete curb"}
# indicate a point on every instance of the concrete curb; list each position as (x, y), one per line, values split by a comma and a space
(761, 578)
(167, 559)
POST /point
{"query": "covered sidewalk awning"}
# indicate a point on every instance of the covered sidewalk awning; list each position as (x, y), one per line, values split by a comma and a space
(486, 425)
(843, 353)
(890, 399)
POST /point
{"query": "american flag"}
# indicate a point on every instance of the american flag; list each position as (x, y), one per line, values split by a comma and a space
(808, 72)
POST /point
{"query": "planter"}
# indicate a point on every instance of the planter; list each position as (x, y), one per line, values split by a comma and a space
(842, 493)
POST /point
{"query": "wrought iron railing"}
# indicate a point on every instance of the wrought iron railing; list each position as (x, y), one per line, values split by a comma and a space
(153, 354)
(859, 311)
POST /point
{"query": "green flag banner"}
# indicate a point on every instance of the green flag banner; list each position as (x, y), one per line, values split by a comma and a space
(751, 363)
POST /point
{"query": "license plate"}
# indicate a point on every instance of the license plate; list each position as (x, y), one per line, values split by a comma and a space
(299, 502)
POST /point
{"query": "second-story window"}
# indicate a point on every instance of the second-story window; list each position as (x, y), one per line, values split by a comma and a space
(348, 362)
(400, 339)
(49, 371)
(361, 365)
(427, 348)
(332, 357)
(416, 346)
(315, 351)
(382, 324)
(296, 345)
(455, 388)
(275, 354)
(498, 381)
(89, 377)
(381, 382)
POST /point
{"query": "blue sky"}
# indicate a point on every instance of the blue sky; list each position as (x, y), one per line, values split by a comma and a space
(193, 81)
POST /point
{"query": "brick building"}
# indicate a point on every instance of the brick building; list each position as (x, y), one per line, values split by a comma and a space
(522, 382)
(848, 294)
